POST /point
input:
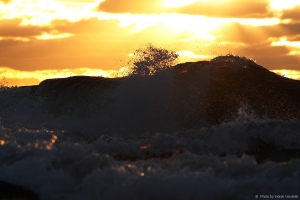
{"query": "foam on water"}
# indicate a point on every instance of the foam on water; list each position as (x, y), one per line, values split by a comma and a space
(136, 147)
(61, 165)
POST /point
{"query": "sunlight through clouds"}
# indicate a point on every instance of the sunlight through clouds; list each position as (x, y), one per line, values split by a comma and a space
(199, 25)
(295, 52)
(42, 12)
(190, 54)
(284, 42)
(281, 4)
(39, 35)
(47, 36)
(22, 39)
(293, 74)
(179, 23)
(177, 3)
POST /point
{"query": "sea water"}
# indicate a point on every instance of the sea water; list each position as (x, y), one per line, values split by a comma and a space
(67, 156)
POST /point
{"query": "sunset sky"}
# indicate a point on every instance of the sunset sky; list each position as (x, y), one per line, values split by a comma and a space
(42, 39)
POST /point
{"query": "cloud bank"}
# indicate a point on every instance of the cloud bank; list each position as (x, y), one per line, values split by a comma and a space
(100, 35)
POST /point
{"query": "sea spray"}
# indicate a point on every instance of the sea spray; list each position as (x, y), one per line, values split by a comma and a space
(185, 132)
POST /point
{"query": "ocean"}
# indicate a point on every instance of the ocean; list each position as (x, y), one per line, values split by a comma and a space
(220, 129)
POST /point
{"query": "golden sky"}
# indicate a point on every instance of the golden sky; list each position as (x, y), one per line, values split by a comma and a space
(42, 39)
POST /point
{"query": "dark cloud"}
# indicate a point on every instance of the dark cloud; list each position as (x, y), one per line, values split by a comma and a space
(295, 38)
(247, 34)
(260, 50)
(293, 14)
(291, 28)
(131, 6)
(229, 8)
(96, 44)
(272, 62)
(12, 28)
(101, 43)
(60, 54)
(256, 42)
(87, 26)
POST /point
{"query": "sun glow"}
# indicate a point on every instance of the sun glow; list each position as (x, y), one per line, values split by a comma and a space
(190, 54)
(177, 3)
(295, 52)
(199, 26)
(22, 39)
(42, 12)
(284, 42)
(282, 5)
(177, 22)
(47, 36)
(293, 74)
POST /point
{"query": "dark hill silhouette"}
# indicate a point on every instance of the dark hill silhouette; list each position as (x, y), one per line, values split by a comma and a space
(194, 94)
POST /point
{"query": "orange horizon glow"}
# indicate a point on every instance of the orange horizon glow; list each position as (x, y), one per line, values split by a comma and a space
(42, 39)
(292, 74)
(10, 76)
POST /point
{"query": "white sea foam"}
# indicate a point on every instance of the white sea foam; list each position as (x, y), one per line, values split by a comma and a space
(61, 165)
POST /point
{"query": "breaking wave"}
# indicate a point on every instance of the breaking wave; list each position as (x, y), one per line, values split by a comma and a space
(192, 131)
